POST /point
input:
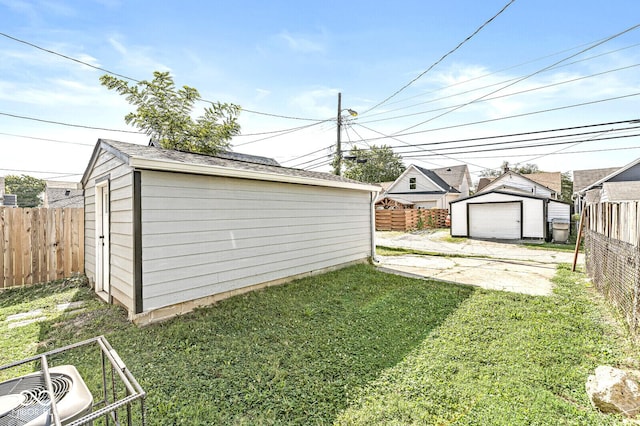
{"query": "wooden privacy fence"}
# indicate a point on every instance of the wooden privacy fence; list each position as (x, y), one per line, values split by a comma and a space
(40, 244)
(619, 221)
(410, 219)
(612, 255)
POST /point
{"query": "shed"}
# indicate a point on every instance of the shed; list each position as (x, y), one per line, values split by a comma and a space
(167, 231)
(505, 215)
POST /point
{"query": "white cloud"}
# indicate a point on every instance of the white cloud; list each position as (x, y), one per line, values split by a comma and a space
(302, 43)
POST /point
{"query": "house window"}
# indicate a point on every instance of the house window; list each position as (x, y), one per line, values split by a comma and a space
(412, 183)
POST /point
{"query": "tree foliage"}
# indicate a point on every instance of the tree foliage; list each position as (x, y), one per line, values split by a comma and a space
(567, 187)
(378, 164)
(523, 169)
(164, 113)
(27, 189)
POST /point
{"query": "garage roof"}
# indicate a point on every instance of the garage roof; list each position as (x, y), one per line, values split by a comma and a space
(154, 158)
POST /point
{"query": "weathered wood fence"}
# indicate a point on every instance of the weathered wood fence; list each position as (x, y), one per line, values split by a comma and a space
(410, 219)
(40, 244)
(619, 221)
(612, 249)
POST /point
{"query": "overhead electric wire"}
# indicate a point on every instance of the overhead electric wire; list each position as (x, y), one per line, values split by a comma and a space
(508, 117)
(573, 80)
(90, 145)
(442, 58)
(138, 81)
(530, 133)
(586, 151)
(593, 46)
(497, 72)
(474, 151)
(306, 155)
(40, 120)
(295, 129)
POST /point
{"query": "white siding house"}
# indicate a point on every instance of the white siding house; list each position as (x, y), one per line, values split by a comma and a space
(426, 189)
(167, 231)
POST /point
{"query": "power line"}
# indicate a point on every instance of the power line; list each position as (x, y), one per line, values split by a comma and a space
(530, 133)
(593, 46)
(497, 72)
(47, 140)
(502, 148)
(491, 120)
(40, 120)
(295, 129)
(528, 155)
(136, 80)
(442, 58)
(573, 80)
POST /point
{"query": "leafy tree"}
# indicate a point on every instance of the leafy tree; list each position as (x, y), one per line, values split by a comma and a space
(27, 189)
(567, 187)
(523, 169)
(378, 164)
(164, 113)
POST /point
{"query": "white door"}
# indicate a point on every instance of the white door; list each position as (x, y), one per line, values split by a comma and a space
(102, 238)
(495, 220)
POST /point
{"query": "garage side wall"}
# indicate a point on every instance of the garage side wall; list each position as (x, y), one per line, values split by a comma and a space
(119, 175)
(204, 235)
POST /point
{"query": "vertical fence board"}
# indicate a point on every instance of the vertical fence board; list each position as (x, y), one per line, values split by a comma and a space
(3, 249)
(40, 244)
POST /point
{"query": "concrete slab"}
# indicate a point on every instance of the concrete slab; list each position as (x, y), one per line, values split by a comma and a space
(487, 264)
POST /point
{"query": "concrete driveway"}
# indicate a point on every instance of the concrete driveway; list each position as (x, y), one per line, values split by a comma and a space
(489, 264)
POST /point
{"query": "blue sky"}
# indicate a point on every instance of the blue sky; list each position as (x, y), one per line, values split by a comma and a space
(286, 58)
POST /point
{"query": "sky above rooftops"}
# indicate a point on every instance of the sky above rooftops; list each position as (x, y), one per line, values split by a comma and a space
(536, 66)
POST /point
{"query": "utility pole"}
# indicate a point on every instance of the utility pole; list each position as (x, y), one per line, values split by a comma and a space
(338, 159)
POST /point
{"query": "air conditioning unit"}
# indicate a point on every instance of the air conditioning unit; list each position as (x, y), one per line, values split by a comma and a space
(25, 400)
(10, 200)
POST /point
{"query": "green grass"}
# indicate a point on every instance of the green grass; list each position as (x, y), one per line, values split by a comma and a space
(354, 346)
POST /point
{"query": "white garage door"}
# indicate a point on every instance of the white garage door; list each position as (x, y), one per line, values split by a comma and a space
(495, 220)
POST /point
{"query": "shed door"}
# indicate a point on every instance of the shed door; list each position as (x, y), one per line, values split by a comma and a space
(102, 238)
(495, 220)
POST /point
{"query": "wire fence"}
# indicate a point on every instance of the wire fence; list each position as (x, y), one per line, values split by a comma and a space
(614, 267)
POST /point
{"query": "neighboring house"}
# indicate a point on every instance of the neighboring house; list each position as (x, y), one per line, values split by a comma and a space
(544, 184)
(510, 207)
(167, 231)
(425, 189)
(62, 194)
(611, 184)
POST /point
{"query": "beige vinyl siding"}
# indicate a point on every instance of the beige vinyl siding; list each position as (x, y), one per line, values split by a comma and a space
(204, 235)
(121, 225)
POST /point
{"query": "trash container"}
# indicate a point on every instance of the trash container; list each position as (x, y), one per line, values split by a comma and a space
(560, 230)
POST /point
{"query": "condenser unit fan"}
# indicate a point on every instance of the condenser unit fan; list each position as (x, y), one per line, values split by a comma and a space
(25, 400)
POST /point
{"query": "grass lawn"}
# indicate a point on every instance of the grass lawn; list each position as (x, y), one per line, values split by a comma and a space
(355, 346)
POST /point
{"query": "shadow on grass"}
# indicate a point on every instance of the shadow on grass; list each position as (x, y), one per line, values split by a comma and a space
(288, 354)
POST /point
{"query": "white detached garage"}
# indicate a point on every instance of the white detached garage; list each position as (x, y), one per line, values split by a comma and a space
(167, 231)
(506, 216)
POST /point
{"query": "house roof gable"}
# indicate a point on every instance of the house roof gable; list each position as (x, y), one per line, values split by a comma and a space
(454, 176)
(513, 194)
(154, 158)
(584, 178)
(436, 179)
(504, 176)
(612, 175)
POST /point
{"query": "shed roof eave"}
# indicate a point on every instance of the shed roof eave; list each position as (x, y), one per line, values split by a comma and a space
(211, 170)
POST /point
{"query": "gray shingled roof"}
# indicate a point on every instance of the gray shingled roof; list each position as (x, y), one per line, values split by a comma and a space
(584, 178)
(622, 191)
(160, 154)
(60, 197)
(454, 175)
(431, 174)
